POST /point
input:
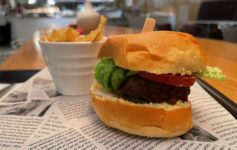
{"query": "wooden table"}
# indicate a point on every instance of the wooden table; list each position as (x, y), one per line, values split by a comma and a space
(219, 53)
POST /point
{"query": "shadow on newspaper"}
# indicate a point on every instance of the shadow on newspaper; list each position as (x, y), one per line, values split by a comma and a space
(15, 97)
(45, 85)
(198, 134)
(33, 108)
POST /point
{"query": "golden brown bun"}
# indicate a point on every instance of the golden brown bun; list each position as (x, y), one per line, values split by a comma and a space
(151, 120)
(157, 52)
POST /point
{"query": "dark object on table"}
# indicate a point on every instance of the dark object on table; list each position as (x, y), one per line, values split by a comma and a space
(228, 104)
(199, 134)
(211, 13)
(16, 76)
(208, 30)
(218, 10)
(165, 26)
(5, 34)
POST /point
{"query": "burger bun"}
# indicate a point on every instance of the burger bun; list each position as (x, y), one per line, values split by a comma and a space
(150, 120)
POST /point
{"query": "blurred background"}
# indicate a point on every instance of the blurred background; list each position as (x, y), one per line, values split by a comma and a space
(215, 19)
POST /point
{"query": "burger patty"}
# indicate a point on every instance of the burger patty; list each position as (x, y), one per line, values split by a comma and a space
(142, 90)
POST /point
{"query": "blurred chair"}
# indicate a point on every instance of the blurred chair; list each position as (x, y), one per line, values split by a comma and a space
(229, 31)
(218, 10)
(135, 21)
(202, 29)
(5, 39)
(211, 15)
(5, 32)
(165, 26)
(165, 21)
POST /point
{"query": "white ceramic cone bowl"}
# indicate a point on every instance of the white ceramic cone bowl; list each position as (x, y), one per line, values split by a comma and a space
(71, 65)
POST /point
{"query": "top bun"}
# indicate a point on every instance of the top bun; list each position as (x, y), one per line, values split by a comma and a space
(158, 52)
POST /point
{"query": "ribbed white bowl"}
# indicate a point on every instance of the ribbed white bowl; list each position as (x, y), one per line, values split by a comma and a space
(71, 64)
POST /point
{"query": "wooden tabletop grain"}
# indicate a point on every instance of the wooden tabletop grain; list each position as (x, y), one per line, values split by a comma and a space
(219, 53)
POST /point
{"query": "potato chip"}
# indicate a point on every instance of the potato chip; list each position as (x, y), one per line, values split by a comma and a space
(70, 34)
(98, 33)
(100, 36)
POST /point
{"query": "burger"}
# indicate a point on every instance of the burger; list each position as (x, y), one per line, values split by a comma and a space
(143, 82)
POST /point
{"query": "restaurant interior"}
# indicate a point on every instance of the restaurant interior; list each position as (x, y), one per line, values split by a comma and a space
(211, 21)
(215, 19)
(51, 51)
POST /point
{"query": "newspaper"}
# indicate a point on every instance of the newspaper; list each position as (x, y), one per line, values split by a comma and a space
(33, 116)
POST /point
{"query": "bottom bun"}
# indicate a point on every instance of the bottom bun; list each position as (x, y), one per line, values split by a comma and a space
(151, 120)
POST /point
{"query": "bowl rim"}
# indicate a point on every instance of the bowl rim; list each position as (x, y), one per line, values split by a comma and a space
(72, 43)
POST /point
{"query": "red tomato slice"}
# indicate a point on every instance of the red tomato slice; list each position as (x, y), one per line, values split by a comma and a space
(177, 80)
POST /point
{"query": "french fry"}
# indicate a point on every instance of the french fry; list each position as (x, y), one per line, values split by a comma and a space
(100, 36)
(98, 33)
(70, 34)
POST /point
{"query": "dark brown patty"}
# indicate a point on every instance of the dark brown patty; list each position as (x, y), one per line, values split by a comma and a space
(142, 90)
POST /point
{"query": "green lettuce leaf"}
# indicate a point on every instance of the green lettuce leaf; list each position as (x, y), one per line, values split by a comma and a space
(103, 73)
(211, 72)
(119, 75)
(110, 76)
(117, 78)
